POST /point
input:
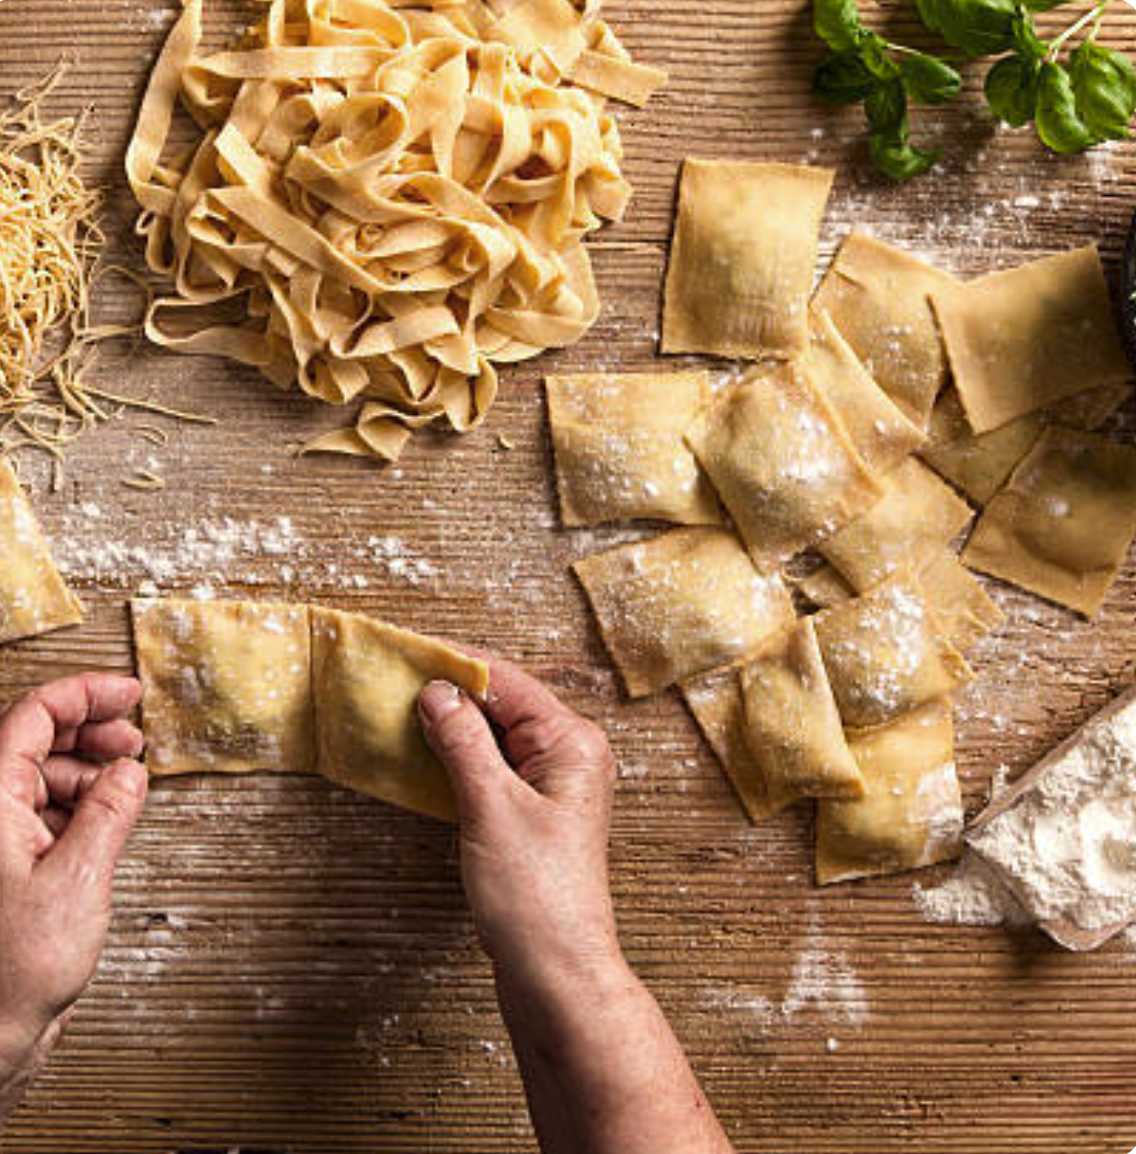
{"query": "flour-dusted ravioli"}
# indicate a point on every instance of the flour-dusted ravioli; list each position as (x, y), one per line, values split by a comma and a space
(742, 258)
(877, 295)
(620, 454)
(33, 597)
(227, 686)
(680, 604)
(963, 609)
(791, 721)
(824, 587)
(918, 516)
(1063, 524)
(1022, 339)
(782, 463)
(715, 699)
(883, 436)
(885, 653)
(367, 676)
(911, 814)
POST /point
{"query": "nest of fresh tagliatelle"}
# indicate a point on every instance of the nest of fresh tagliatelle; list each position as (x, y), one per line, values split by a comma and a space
(393, 194)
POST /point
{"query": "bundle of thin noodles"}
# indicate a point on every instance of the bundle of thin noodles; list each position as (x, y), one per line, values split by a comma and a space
(394, 193)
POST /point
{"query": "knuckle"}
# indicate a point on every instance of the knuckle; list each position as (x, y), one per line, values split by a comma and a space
(115, 803)
(458, 735)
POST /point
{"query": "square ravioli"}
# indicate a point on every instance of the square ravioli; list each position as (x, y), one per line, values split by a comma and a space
(885, 653)
(1062, 526)
(877, 296)
(918, 516)
(680, 604)
(716, 703)
(33, 596)
(367, 676)
(783, 464)
(1022, 339)
(742, 258)
(227, 686)
(911, 815)
(620, 454)
(791, 721)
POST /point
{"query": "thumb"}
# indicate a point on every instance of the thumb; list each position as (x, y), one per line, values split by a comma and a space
(90, 846)
(456, 730)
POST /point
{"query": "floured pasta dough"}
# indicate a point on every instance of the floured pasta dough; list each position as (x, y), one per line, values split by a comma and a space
(963, 609)
(742, 258)
(391, 194)
(876, 295)
(1022, 339)
(883, 436)
(227, 686)
(886, 654)
(824, 587)
(367, 676)
(680, 604)
(1063, 524)
(620, 454)
(33, 597)
(791, 721)
(918, 516)
(782, 463)
(718, 707)
(911, 815)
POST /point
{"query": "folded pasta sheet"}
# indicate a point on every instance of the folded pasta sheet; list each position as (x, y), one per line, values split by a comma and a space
(783, 463)
(236, 687)
(1022, 339)
(680, 604)
(877, 296)
(620, 454)
(33, 596)
(393, 195)
(1063, 524)
(742, 258)
(911, 814)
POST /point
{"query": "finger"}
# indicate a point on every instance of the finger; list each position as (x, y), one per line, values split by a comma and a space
(68, 778)
(458, 733)
(514, 697)
(56, 820)
(110, 740)
(90, 847)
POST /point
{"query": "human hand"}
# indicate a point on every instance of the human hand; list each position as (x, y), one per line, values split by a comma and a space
(534, 828)
(70, 791)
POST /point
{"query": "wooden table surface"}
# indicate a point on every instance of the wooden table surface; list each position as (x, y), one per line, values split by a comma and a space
(292, 967)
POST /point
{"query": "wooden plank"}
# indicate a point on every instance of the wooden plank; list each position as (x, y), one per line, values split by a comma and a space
(293, 967)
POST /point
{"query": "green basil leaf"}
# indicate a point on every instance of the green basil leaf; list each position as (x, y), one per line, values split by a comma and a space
(873, 51)
(1011, 90)
(978, 27)
(843, 79)
(886, 108)
(1044, 5)
(838, 24)
(1104, 85)
(900, 159)
(1058, 123)
(929, 80)
(1027, 43)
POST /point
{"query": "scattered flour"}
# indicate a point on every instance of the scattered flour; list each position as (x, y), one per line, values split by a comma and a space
(972, 896)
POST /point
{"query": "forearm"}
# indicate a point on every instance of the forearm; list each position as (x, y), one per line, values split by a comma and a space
(603, 1071)
(21, 1055)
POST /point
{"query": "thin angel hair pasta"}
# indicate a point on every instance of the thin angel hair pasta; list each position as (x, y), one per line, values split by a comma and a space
(395, 196)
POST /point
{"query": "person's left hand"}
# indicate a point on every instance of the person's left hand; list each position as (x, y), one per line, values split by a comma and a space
(70, 791)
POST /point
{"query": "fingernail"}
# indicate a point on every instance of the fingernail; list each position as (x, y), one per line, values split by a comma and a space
(129, 776)
(438, 700)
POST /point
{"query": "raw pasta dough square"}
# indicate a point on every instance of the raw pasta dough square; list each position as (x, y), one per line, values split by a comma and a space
(742, 259)
(911, 815)
(367, 676)
(782, 463)
(619, 448)
(227, 686)
(1063, 524)
(716, 702)
(886, 654)
(33, 597)
(919, 515)
(1022, 339)
(791, 721)
(680, 604)
(877, 295)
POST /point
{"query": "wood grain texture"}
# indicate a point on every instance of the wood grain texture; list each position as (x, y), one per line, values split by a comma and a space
(293, 967)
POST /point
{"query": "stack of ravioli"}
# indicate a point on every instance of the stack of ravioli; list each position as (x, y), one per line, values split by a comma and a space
(881, 416)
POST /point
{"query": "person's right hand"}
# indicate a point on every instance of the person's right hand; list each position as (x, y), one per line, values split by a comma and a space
(534, 828)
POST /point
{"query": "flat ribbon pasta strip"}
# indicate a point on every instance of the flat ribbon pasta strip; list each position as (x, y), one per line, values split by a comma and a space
(393, 194)
(33, 597)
